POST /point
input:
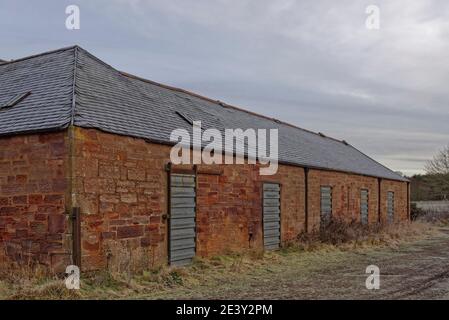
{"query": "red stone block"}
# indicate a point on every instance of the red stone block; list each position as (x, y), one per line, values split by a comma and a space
(108, 235)
(5, 211)
(20, 200)
(56, 223)
(54, 199)
(21, 178)
(122, 208)
(128, 197)
(36, 199)
(129, 232)
(59, 186)
(145, 242)
(59, 262)
(21, 233)
(38, 228)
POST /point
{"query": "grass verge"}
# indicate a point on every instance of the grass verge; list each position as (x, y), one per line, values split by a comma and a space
(307, 253)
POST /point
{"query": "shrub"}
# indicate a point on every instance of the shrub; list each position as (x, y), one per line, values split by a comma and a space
(415, 212)
(341, 233)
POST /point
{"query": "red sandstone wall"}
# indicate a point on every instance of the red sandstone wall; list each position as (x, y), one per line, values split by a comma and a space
(400, 199)
(120, 184)
(345, 196)
(230, 207)
(121, 187)
(33, 186)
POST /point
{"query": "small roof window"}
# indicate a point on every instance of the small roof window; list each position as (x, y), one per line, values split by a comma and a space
(15, 99)
(185, 117)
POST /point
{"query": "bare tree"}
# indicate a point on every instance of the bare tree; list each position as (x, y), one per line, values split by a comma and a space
(440, 163)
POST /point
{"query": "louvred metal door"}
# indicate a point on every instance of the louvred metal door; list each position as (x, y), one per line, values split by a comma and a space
(271, 216)
(182, 239)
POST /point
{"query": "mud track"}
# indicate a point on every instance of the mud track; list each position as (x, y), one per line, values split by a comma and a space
(417, 270)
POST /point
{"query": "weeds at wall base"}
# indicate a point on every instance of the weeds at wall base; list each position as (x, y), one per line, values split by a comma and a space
(35, 283)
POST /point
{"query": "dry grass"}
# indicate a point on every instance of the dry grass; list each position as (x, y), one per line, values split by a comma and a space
(435, 218)
(164, 281)
(31, 282)
(352, 235)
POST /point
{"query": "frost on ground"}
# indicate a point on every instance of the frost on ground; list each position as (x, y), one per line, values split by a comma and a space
(413, 261)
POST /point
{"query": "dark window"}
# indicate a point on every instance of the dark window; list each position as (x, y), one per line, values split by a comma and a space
(326, 206)
(390, 207)
(364, 194)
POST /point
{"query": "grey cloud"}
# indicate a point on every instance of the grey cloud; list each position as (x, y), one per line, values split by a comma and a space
(311, 63)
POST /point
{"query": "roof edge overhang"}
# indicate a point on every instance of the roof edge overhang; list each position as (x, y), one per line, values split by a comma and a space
(39, 54)
(33, 131)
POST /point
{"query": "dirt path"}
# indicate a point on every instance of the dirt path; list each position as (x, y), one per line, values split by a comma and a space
(418, 270)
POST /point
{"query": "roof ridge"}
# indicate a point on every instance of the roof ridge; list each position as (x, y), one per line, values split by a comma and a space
(75, 68)
(226, 105)
(38, 55)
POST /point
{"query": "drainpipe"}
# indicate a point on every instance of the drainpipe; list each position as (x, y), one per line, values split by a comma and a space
(76, 237)
(408, 202)
(166, 216)
(306, 201)
(379, 199)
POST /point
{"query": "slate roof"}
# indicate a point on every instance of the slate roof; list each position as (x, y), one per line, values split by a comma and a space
(71, 86)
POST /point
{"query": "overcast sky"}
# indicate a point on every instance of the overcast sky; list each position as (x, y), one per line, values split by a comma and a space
(310, 63)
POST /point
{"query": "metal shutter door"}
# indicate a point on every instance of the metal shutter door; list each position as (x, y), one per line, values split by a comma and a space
(271, 216)
(390, 207)
(182, 241)
(326, 206)
(364, 206)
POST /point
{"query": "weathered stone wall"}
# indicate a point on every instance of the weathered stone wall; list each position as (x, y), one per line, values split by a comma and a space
(400, 200)
(346, 190)
(230, 207)
(33, 191)
(120, 184)
(121, 187)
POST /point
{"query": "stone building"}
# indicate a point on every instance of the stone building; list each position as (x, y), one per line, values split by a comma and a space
(86, 177)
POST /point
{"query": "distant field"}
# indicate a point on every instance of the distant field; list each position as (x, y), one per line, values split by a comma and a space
(433, 206)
